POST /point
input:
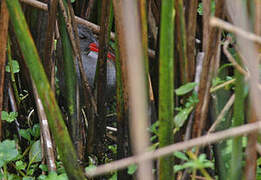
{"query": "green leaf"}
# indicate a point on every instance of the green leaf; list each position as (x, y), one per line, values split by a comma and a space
(200, 9)
(9, 117)
(15, 67)
(8, 152)
(43, 167)
(35, 131)
(72, 1)
(35, 154)
(54, 176)
(25, 133)
(185, 88)
(178, 168)
(113, 148)
(132, 169)
(182, 116)
(181, 155)
(20, 165)
(42, 177)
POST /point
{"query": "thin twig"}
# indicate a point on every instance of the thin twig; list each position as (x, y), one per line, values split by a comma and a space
(200, 141)
(222, 113)
(222, 85)
(47, 140)
(234, 29)
(231, 59)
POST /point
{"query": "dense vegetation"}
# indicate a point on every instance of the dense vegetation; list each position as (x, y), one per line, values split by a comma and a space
(119, 89)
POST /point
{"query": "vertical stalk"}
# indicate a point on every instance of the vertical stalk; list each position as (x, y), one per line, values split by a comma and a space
(122, 114)
(182, 42)
(122, 87)
(130, 43)
(70, 77)
(54, 116)
(144, 31)
(206, 74)
(166, 86)
(100, 123)
(238, 119)
(4, 19)
(48, 62)
(191, 22)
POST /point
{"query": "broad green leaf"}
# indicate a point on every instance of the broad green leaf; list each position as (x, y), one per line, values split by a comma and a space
(182, 116)
(132, 169)
(35, 131)
(25, 133)
(43, 167)
(15, 67)
(8, 152)
(35, 154)
(185, 88)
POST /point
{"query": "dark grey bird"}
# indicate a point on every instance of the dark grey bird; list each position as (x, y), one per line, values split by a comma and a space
(89, 52)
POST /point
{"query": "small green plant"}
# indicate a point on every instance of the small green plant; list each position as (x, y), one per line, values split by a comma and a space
(15, 67)
(9, 117)
(31, 134)
(193, 164)
(53, 176)
(154, 130)
(8, 153)
(213, 7)
(113, 148)
(184, 111)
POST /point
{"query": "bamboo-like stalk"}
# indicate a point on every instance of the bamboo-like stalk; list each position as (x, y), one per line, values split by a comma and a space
(122, 90)
(100, 122)
(144, 31)
(4, 19)
(238, 119)
(182, 43)
(48, 62)
(55, 120)
(70, 76)
(191, 22)
(251, 154)
(206, 74)
(166, 86)
(130, 43)
(122, 114)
